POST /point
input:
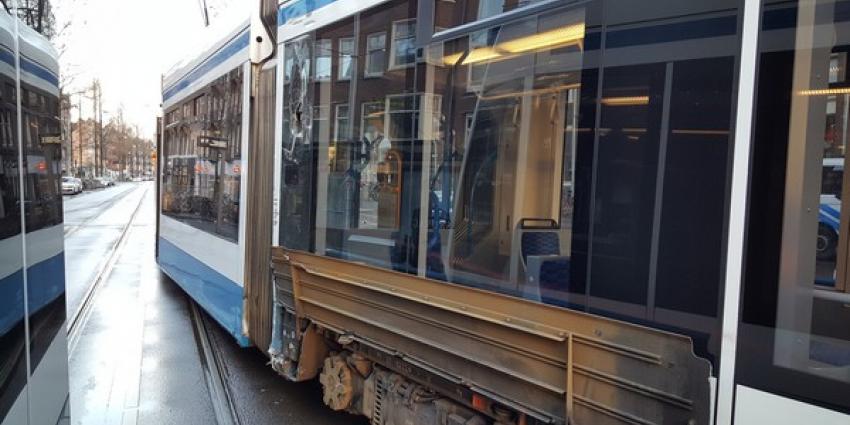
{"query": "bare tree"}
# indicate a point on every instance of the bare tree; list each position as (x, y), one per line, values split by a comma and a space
(37, 14)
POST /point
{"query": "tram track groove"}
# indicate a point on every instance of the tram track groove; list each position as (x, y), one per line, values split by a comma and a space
(80, 317)
(213, 367)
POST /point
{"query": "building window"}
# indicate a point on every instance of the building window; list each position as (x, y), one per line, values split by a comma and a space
(376, 54)
(372, 121)
(341, 128)
(323, 60)
(346, 58)
(403, 48)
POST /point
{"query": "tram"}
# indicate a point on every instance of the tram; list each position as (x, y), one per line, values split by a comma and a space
(521, 212)
(33, 347)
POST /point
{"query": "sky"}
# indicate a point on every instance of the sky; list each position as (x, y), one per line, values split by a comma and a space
(130, 44)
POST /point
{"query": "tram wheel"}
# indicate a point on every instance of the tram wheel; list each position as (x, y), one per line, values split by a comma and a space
(827, 243)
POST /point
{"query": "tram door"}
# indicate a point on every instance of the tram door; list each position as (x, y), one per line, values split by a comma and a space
(819, 257)
(794, 335)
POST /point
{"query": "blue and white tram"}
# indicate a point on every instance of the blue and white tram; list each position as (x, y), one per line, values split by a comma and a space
(513, 212)
(201, 225)
(33, 350)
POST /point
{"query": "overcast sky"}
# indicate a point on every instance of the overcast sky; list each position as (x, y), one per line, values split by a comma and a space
(129, 44)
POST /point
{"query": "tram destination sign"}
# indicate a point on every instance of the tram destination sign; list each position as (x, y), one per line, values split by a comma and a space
(53, 139)
(212, 142)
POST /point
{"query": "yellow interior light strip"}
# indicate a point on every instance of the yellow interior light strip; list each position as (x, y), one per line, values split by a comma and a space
(625, 101)
(824, 92)
(563, 36)
(558, 37)
(482, 54)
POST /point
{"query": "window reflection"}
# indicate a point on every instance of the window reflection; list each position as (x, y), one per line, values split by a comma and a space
(323, 60)
(13, 343)
(376, 54)
(589, 187)
(530, 158)
(346, 60)
(794, 318)
(351, 178)
(403, 43)
(202, 154)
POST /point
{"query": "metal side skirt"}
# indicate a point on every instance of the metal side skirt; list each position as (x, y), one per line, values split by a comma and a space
(554, 362)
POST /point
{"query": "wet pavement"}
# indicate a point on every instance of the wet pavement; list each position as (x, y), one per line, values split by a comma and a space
(134, 357)
(93, 223)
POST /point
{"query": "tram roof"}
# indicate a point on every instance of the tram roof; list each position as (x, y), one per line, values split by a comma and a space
(39, 59)
(217, 50)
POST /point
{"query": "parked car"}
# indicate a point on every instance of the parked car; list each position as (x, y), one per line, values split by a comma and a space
(91, 184)
(71, 185)
(106, 181)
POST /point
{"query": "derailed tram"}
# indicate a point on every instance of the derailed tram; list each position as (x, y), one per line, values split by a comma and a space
(516, 212)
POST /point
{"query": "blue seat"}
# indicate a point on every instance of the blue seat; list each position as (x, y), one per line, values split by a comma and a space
(539, 243)
(553, 273)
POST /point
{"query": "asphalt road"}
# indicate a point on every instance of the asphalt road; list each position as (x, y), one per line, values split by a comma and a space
(133, 355)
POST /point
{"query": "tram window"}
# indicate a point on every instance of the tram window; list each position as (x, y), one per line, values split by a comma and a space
(12, 332)
(402, 48)
(42, 192)
(453, 14)
(555, 178)
(376, 54)
(600, 188)
(10, 218)
(202, 163)
(794, 337)
(352, 191)
(346, 54)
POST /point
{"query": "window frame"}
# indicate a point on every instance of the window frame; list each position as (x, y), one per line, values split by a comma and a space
(368, 53)
(391, 64)
(363, 116)
(337, 116)
(327, 54)
(341, 76)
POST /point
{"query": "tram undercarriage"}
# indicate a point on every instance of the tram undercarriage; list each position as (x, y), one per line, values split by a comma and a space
(463, 361)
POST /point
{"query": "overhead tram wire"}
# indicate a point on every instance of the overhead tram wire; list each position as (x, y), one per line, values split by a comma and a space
(205, 14)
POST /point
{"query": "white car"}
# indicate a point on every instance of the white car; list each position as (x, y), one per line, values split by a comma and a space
(71, 185)
(106, 181)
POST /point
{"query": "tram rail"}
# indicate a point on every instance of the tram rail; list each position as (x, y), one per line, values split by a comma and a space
(70, 230)
(214, 370)
(77, 321)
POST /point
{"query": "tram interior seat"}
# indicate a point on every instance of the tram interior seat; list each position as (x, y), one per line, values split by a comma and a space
(546, 270)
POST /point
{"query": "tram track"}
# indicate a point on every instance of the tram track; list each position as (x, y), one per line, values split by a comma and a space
(103, 206)
(78, 319)
(214, 369)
